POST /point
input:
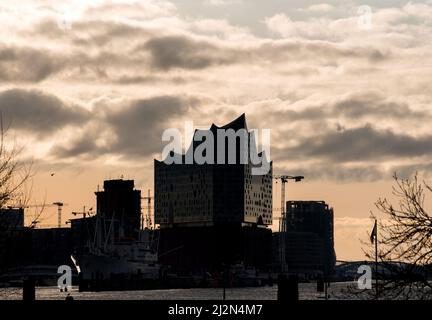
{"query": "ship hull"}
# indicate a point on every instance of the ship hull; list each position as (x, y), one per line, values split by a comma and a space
(106, 267)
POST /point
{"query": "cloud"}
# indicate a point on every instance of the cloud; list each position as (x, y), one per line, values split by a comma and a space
(38, 112)
(102, 50)
(365, 105)
(363, 143)
(84, 145)
(221, 2)
(182, 52)
(24, 64)
(132, 10)
(185, 52)
(139, 126)
(323, 170)
(284, 26)
(405, 171)
(310, 82)
(128, 128)
(316, 52)
(392, 25)
(320, 7)
(369, 104)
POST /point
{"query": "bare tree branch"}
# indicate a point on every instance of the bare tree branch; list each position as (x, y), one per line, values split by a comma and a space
(405, 241)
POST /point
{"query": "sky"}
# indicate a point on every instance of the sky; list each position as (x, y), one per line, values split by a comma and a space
(87, 88)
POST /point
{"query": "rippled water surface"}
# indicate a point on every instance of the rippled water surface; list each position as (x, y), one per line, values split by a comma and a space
(307, 292)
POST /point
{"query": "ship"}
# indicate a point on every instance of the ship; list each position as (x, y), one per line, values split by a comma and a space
(108, 264)
(120, 259)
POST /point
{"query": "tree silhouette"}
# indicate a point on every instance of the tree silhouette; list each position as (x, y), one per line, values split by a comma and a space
(405, 242)
(15, 187)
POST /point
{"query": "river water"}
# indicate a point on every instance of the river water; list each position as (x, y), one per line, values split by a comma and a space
(307, 291)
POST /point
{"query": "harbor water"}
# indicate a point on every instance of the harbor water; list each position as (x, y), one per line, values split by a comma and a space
(307, 291)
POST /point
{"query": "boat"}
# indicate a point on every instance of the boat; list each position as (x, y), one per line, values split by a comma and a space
(120, 264)
(130, 260)
(244, 276)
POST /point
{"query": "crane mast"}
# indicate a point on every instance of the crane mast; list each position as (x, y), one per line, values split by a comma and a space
(57, 204)
(283, 219)
(147, 220)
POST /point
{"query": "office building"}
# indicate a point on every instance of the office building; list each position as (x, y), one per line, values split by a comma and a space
(309, 240)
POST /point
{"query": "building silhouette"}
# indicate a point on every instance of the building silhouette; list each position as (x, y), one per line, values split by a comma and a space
(208, 194)
(214, 213)
(309, 240)
(11, 219)
(119, 209)
(117, 219)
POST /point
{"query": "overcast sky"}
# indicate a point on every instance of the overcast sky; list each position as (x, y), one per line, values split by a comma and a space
(89, 86)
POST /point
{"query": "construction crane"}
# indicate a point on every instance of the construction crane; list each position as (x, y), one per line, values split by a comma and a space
(58, 204)
(284, 179)
(84, 213)
(147, 219)
(59, 212)
(283, 221)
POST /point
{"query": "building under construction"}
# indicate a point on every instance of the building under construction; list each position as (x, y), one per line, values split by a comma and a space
(308, 242)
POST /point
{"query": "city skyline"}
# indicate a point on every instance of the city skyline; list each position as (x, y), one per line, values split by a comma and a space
(87, 88)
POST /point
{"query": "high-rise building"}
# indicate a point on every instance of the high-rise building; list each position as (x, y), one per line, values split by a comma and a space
(119, 209)
(11, 222)
(11, 219)
(309, 238)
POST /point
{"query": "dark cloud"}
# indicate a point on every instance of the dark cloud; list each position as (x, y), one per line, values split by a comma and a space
(98, 49)
(169, 52)
(139, 126)
(323, 170)
(150, 79)
(181, 52)
(38, 112)
(84, 145)
(362, 144)
(27, 64)
(135, 128)
(373, 105)
(318, 51)
(367, 172)
(409, 170)
(364, 106)
(106, 32)
(24, 64)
